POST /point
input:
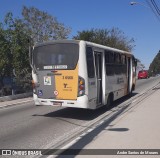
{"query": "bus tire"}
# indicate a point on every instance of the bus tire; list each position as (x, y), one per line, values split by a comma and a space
(38, 105)
(130, 94)
(110, 100)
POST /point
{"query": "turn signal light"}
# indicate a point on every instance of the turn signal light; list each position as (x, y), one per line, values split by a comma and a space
(81, 86)
(33, 84)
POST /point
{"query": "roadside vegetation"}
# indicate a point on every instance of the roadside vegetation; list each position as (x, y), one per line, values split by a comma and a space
(154, 68)
(39, 26)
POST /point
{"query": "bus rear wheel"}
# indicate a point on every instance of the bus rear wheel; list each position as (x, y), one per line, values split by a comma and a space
(110, 100)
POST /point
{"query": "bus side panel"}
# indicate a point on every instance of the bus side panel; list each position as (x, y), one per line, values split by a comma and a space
(120, 86)
(92, 94)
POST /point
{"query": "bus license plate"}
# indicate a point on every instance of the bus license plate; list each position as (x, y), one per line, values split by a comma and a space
(57, 103)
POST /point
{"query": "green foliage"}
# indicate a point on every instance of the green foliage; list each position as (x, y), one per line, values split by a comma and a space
(14, 49)
(14, 35)
(5, 53)
(154, 67)
(42, 26)
(112, 38)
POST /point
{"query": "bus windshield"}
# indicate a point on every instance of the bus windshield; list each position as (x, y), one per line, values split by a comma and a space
(56, 56)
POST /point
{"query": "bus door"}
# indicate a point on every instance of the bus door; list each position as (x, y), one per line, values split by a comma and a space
(98, 66)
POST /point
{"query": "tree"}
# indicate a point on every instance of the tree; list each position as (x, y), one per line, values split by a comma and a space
(113, 38)
(154, 67)
(117, 39)
(5, 56)
(14, 49)
(14, 35)
(17, 38)
(42, 26)
(140, 66)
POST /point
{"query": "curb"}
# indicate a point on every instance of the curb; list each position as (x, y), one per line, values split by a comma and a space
(16, 103)
(14, 97)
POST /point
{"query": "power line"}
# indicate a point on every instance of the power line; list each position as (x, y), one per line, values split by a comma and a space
(153, 8)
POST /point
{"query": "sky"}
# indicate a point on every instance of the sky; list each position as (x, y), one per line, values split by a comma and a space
(136, 21)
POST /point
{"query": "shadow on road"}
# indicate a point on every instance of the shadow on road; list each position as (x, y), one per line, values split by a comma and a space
(82, 141)
(83, 114)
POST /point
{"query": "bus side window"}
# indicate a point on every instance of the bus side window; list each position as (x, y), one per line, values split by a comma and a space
(109, 59)
(116, 58)
(124, 65)
(90, 62)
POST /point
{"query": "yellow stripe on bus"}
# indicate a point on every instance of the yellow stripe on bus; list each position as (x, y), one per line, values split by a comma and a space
(66, 84)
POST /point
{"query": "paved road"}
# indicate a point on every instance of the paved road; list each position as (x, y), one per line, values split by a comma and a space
(134, 133)
(29, 127)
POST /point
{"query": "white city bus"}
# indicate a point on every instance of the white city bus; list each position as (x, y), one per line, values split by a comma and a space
(80, 74)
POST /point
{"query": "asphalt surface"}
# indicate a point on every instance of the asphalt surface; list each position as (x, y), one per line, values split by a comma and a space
(27, 126)
(134, 133)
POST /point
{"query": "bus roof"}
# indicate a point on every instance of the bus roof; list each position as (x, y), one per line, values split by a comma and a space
(56, 41)
(85, 42)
